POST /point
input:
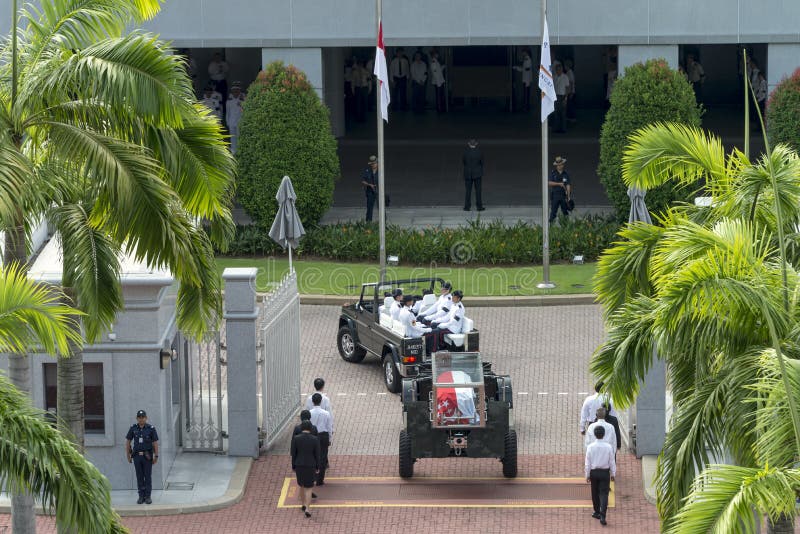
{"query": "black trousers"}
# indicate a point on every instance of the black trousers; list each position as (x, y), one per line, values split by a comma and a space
(440, 102)
(560, 121)
(555, 203)
(418, 97)
(143, 464)
(324, 443)
(370, 203)
(362, 93)
(468, 184)
(601, 485)
(526, 97)
(400, 89)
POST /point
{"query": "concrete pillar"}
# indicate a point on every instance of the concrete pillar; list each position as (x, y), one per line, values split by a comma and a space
(241, 315)
(333, 87)
(782, 61)
(627, 55)
(309, 60)
(651, 424)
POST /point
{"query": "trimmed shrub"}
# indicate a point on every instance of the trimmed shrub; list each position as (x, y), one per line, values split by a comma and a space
(647, 93)
(479, 243)
(285, 131)
(783, 112)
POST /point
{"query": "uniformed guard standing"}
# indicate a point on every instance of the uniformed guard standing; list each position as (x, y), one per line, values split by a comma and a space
(143, 453)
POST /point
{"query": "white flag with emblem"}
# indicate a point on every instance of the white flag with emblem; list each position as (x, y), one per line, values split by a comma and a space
(546, 77)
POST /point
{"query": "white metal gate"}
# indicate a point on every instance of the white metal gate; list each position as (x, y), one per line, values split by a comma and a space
(203, 387)
(279, 359)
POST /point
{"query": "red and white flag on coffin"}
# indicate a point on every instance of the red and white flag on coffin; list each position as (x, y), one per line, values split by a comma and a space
(455, 402)
(382, 73)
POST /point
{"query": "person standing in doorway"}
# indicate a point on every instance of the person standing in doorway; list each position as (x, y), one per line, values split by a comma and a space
(306, 463)
(361, 79)
(526, 68)
(324, 422)
(399, 70)
(141, 448)
(369, 179)
(696, 75)
(472, 159)
(561, 84)
(437, 79)
(419, 78)
(570, 72)
(600, 469)
(233, 114)
(560, 188)
(218, 72)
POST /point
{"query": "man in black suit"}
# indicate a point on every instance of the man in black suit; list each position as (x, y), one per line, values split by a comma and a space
(473, 173)
(613, 421)
(305, 415)
(306, 463)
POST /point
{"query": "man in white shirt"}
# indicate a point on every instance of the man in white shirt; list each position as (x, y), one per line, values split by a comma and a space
(452, 323)
(213, 101)
(319, 384)
(413, 328)
(397, 305)
(218, 72)
(590, 406)
(233, 113)
(442, 302)
(324, 422)
(600, 469)
(526, 68)
(398, 72)
(417, 307)
(437, 79)
(610, 436)
(419, 77)
(561, 84)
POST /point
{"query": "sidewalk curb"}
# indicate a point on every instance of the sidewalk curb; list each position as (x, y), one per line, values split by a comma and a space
(474, 302)
(232, 495)
(648, 476)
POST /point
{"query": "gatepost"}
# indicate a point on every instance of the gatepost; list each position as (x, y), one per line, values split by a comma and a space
(241, 315)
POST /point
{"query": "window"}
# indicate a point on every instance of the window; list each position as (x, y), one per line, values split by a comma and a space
(93, 400)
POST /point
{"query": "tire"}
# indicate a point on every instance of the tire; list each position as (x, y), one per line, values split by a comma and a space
(391, 377)
(510, 455)
(348, 349)
(406, 462)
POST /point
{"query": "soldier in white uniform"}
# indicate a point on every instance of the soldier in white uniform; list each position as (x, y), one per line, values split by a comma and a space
(212, 100)
(419, 77)
(406, 316)
(233, 113)
(397, 305)
(526, 68)
(437, 79)
(452, 322)
(443, 302)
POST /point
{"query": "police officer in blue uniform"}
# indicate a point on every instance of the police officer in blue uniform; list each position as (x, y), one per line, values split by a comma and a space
(142, 449)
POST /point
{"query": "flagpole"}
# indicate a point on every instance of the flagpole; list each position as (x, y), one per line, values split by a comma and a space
(545, 283)
(381, 180)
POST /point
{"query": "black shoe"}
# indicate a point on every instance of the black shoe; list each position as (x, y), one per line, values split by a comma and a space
(303, 508)
(467, 209)
(596, 515)
(603, 521)
(481, 209)
(313, 495)
(140, 501)
(308, 514)
(148, 500)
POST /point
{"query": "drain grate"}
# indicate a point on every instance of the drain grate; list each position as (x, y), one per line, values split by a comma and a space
(181, 486)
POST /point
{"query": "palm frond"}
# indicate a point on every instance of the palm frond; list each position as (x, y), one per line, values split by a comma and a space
(33, 314)
(37, 458)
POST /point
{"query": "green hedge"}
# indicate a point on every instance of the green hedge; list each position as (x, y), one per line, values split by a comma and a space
(285, 131)
(783, 112)
(647, 93)
(479, 243)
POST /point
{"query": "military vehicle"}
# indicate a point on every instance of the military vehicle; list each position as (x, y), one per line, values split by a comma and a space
(456, 406)
(365, 327)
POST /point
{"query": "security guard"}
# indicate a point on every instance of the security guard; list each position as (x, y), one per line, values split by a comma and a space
(144, 454)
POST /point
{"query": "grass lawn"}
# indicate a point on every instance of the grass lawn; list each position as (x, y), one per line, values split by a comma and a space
(331, 278)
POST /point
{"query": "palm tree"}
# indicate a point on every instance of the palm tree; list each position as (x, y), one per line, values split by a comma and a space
(105, 133)
(35, 457)
(712, 289)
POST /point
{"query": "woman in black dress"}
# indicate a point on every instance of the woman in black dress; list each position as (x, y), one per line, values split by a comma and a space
(305, 463)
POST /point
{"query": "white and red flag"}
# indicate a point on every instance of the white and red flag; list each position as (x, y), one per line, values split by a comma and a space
(455, 405)
(546, 77)
(382, 73)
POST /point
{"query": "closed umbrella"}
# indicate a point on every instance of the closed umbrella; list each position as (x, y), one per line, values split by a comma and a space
(638, 207)
(286, 228)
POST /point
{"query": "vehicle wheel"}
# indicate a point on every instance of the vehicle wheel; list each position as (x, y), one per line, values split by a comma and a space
(510, 455)
(390, 375)
(348, 350)
(406, 461)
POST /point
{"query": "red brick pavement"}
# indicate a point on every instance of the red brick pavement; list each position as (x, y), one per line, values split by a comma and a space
(258, 513)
